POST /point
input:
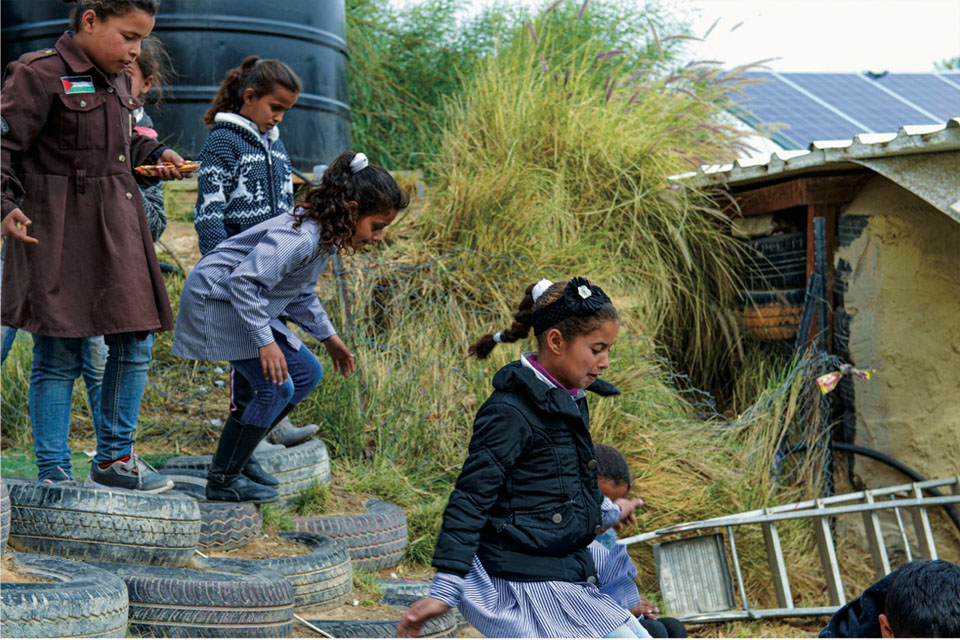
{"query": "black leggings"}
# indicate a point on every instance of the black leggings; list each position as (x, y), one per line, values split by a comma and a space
(664, 627)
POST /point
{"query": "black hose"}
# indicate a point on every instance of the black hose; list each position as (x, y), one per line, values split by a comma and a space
(889, 461)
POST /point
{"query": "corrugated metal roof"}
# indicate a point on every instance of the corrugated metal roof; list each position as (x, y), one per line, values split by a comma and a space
(865, 150)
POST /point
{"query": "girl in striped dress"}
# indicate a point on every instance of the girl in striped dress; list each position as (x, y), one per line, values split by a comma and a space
(515, 551)
(232, 301)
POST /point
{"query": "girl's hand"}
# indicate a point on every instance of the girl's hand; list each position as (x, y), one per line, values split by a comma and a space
(171, 173)
(273, 363)
(627, 507)
(343, 360)
(15, 226)
(418, 614)
(645, 608)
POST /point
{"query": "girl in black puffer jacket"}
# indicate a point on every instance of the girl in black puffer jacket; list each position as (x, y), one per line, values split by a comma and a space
(513, 551)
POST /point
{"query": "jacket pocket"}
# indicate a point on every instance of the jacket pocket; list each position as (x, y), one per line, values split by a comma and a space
(553, 530)
(83, 121)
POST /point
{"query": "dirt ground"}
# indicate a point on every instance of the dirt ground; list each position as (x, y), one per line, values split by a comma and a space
(179, 242)
(9, 573)
(266, 547)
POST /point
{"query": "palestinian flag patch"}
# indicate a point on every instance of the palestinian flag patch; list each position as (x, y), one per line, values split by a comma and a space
(77, 84)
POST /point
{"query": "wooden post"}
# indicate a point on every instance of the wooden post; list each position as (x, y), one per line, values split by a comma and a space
(829, 214)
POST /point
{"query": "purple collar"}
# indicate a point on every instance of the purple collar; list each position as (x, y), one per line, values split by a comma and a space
(532, 359)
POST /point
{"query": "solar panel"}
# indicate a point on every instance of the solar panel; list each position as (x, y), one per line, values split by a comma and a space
(926, 91)
(952, 77)
(774, 101)
(864, 102)
(854, 103)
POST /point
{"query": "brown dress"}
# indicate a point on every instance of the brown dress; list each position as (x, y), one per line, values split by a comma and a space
(68, 149)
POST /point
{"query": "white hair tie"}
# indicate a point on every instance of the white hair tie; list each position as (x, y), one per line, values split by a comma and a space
(498, 337)
(359, 162)
(540, 288)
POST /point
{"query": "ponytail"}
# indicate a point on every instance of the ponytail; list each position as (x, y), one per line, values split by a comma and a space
(522, 323)
(349, 178)
(576, 319)
(261, 75)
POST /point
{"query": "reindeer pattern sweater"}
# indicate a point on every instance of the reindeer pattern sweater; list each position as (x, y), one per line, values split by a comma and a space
(245, 178)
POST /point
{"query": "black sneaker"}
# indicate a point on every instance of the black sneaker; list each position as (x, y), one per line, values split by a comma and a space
(134, 474)
(65, 479)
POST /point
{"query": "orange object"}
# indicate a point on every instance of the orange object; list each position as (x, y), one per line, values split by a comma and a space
(153, 170)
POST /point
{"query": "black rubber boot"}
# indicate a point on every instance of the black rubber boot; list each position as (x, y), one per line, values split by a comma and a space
(257, 473)
(225, 482)
(252, 469)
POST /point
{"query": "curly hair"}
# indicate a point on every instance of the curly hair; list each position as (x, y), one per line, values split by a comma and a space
(372, 188)
(569, 327)
(260, 75)
(106, 8)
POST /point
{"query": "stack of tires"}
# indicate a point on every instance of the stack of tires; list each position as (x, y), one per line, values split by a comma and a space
(376, 539)
(55, 526)
(776, 285)
(296, 467)
(112, 560)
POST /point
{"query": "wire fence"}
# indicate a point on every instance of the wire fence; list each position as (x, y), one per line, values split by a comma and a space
(415, 392)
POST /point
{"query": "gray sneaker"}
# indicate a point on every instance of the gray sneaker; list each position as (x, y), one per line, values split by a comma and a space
(134, 474)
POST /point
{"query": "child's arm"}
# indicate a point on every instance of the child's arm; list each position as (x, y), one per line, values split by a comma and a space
(500, 435)
(218, 166)
(280, 251)
(24, 107)
(615, 576)
(308, 312)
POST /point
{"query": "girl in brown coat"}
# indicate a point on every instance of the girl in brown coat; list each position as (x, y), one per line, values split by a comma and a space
(82, 263)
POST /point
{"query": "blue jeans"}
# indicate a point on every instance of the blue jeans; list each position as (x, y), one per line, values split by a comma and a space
(120, 361)
(7, 336)
(303, 374)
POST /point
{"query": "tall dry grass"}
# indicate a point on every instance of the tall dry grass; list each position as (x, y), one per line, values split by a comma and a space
(561, 154)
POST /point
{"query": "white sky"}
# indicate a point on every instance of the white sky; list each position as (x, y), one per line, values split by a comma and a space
(820, 35)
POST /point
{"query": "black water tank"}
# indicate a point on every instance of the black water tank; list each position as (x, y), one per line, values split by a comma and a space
(205, 38)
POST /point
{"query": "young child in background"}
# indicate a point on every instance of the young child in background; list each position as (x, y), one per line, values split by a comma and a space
(231, 303)
(614, 482)
(149, 73)
(920, 599)
(513, 552)
(246, 177)
(83, 264)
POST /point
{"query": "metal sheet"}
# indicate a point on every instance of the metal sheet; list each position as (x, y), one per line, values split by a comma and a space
(694, 575)
(933, 177)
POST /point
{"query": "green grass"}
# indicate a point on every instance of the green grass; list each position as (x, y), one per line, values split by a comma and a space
(276, 519)
(311, 501)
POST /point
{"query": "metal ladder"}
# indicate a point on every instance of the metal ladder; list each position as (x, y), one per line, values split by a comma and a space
(694, 573)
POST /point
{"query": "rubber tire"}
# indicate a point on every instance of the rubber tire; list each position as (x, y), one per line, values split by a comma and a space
(376, 539)
(103, 525)
(783, 297)
(321, 579)
(444, 626)
(295, 468)
(779, 244)
(81, 601)
(223, 525)
(4, 515)
(403, 593)
(184, 603)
